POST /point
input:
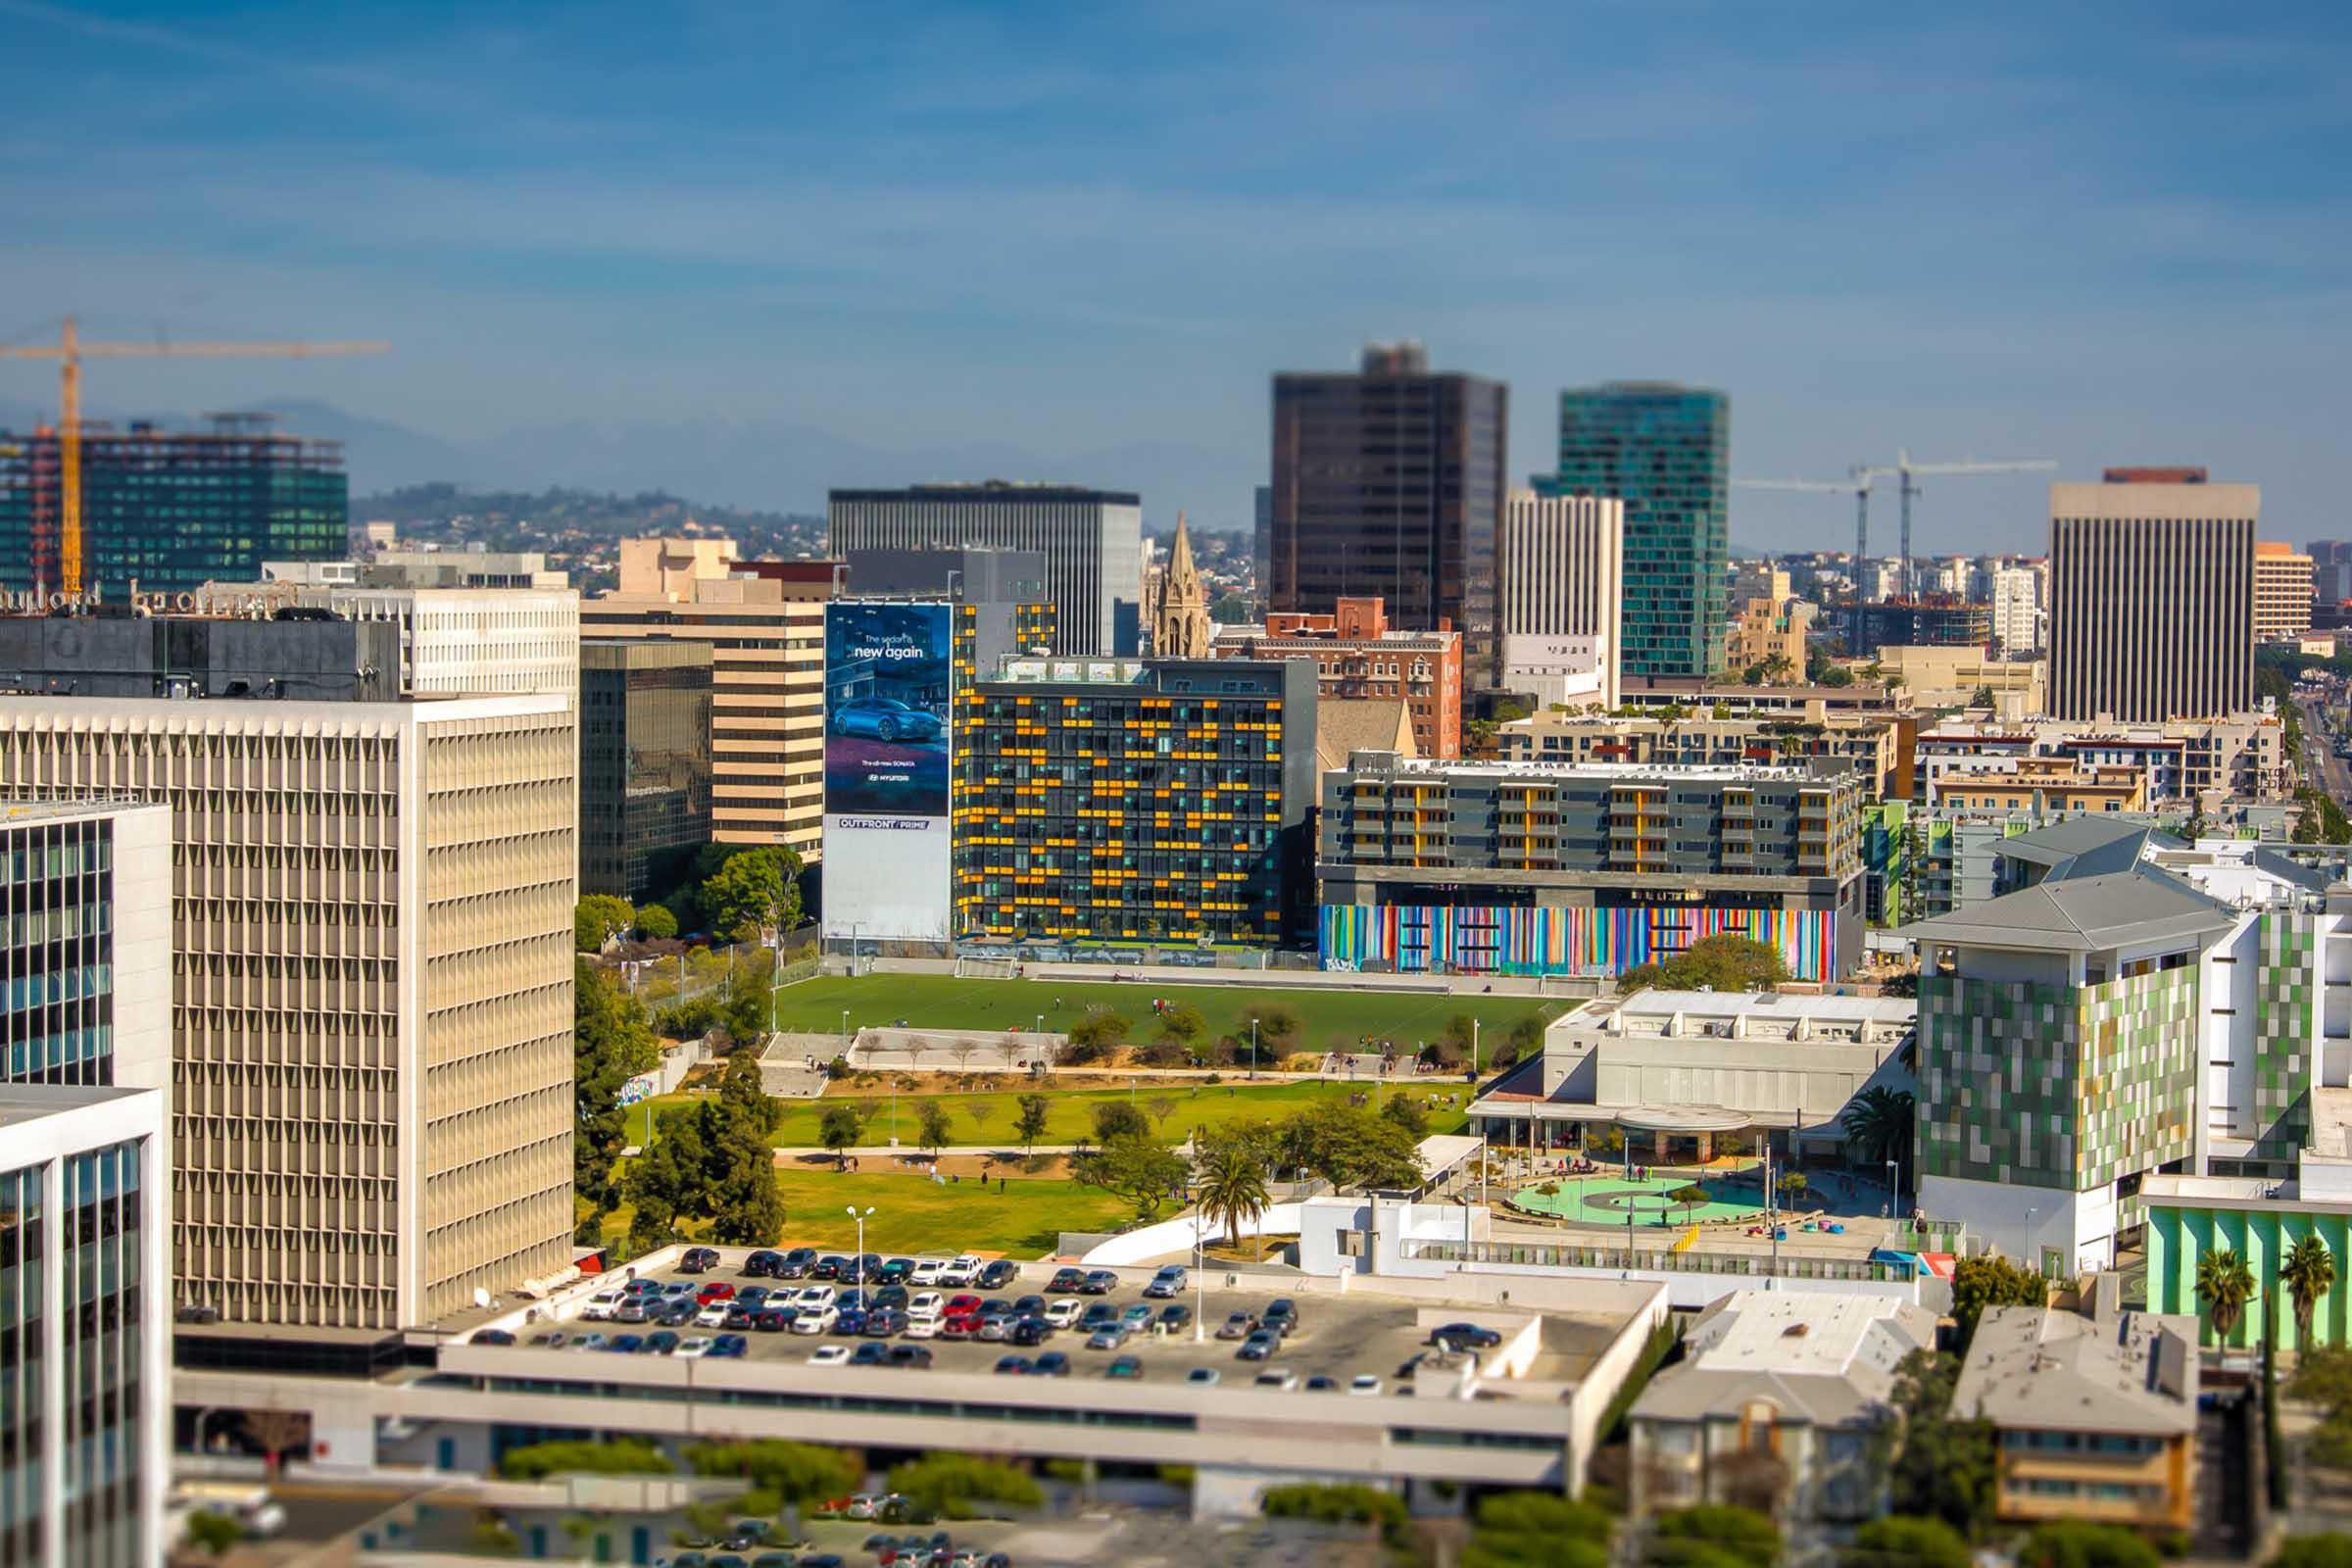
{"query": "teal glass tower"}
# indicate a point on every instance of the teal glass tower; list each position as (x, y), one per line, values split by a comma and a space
(1665, 451)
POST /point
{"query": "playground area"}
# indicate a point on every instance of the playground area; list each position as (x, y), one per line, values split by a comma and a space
(1734, 1195)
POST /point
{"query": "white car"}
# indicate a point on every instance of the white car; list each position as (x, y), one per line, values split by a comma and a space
(928, 1272)
(1279, 1377)
(962, 1272)
(817, 1321)
(1364, 1383)
(601, 1307)
(713, 1316)
(930, 1303)
(810, 1298)
(1064, 1312)
(693, 1347)
(829, 1356)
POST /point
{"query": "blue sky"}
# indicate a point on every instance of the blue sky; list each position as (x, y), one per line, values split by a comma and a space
(2090, 233)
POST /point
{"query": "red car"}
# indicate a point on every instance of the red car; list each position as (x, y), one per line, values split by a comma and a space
(716, 1291)
(961, 1307)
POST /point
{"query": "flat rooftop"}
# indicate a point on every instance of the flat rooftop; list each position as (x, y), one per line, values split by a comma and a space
(1536, 769)
(28, 1103)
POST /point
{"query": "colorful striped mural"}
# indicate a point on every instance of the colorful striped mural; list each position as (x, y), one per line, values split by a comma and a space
(1487, 939)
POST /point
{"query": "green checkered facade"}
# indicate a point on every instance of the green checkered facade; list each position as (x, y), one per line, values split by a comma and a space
(2283, 1026)
(2057, 1086)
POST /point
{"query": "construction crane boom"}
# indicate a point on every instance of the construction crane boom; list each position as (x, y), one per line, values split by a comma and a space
(1859, 478)
(1904, 466)
(70, 351)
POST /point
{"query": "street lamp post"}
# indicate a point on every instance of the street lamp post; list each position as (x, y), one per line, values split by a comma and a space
(844, 1034)
(1254, 1047)
(1894, 1187)
(861, 1268)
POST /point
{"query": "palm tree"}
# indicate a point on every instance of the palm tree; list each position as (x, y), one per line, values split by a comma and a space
(1879, 1125)
(1233, 1190)
(2226, 1284)
(2309, 1273)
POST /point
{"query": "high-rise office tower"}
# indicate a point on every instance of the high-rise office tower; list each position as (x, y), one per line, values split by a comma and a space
(1261, 546)
(1389, 486)
(2331, 571)
(1093, 541)
(645, 763)
(1563, 576)
(2282, 591)
(173, 509)
(1665, 451)
(2152, 595)
(371, 905)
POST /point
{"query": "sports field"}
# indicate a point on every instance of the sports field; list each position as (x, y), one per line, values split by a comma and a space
(987, 1119)
(1607, 1199)
(912, 1214)
(1328, 1019)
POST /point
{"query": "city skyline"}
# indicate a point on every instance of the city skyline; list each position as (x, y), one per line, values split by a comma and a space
(1063, 235)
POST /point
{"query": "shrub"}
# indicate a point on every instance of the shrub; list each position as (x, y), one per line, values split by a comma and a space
(1350, 1503)
(2074, 1544)
(953, 1485)
(622, 1456)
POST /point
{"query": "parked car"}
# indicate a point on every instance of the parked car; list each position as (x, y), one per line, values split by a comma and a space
(883, 1324)
(1107, 1337)
(1064, 1312)
(1098, 1314)
(632, 1309)
(661, 1344)
(1206, 1377)
(828, 1267)
(696, 1259)
(731, 1346)
(1099, 1282)
(911, 1355)
(1135, 1318)
(1065, 1281)
(712, 1316)
(589, 1342)
(893, 1270)
(1175, 1315)
(601, 1307)
(818, 1320)
(1281, 1315)
(1276, 1378)
(994, 1329)
(962, 1271)
(1125, 1368)
(491, 1337)
(555, 1340)
(1319, 1384)
(694, 1348)
(848, 1322)
(815, 1296)
(1013, 1366)
(873, 1353)
(715, 1291)
(965, 1304)
(774, 1319)
(677, 1314)
(625, 1343)
(1237, 1326)
(959, 1328)
(1365, 1382)
(1052, 1364)
(885, 718)
(829, 1356)
(927, 1273)
(1259, 1345)
(1029, 1307)
(1464, 1337)
(740, 1318)
(1029, 1332)
(763, 1263)
(795, 1264)
(1166, 1283)
(995, 1274)
(755, 1297)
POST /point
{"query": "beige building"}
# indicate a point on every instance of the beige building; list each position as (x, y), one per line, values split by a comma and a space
(454, 642)
(2152, 595)
(1951, 677)
(2049, 785)
(1876, 747)
(372, 1096)
(765, 623)
(1764, 631)
(2282, 591)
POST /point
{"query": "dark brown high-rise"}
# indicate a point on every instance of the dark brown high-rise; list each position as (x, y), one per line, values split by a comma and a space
(1389, 484)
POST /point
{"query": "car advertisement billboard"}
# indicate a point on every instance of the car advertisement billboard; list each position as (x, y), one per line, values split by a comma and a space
(889, 678)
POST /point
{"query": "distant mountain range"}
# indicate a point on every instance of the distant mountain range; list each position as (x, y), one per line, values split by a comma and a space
(767, 467)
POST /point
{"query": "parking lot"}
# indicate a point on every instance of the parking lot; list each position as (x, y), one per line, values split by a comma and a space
(1336, 1337)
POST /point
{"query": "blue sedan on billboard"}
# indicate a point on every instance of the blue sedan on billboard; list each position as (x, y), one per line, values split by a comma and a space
(885, 718)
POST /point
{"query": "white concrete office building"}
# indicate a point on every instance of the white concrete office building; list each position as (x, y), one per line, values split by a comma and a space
(1562, 576)
(1092, 542)
(2152, 597)
(85, 1388)
(454, 642)
(371, 1026)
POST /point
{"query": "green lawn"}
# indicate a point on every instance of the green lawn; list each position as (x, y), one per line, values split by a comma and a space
(1330, 1019)
(912, 1214)
(987, 1119)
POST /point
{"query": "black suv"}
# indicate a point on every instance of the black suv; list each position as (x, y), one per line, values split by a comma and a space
(761, 1265)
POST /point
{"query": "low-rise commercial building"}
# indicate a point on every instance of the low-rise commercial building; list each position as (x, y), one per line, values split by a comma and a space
(2044, 785)
(1359, 656)
(2207, 761)
(1103, 801)
(1779, 1404)
(2095, 1420)
(1549, 867)
(1954, 677)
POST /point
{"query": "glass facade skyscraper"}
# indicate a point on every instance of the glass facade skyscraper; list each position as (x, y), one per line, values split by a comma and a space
(645, 763)
(1665, 451)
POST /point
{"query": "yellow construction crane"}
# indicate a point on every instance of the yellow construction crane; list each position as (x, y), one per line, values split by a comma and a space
(70, 351)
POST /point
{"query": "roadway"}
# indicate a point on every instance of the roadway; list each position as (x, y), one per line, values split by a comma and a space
(2331, 772)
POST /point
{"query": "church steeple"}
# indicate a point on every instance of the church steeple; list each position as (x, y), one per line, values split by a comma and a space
(1179, 604)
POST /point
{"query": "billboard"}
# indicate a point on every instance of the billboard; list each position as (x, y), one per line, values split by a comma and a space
(889, 681)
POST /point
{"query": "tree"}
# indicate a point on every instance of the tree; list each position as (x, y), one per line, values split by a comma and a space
(1982, 697)
(1159, 1108)
(1029, 1125)
(740, 1196)
(1879, 1125)
(1137, 1169)
(954, 1485)
(757, 891)
(597, 918)
(2075, 1543)
(1409, 1112)
(1346, 1503)
(1277, 1029)
(1718, 964)
(1525, 1039)
(1115, 1119)
(1985, 1282)
(2325, 1550)
(1943, 1465)
(213, 1532)
(1181, 1023)
(839, 1130)
(1233, 1188)
(1351, 1145)
(1095, 1036)
(657, 922)
(1538, 1530)
(1792, 1186)
(273, 1431)
(795, 1472)
(1713, 1534)
(610, 1043)
(616, 1456)
(931, 1125)
(2225, 1284)
(745, 1014)
(2308, 1273)
(1901, 1542)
